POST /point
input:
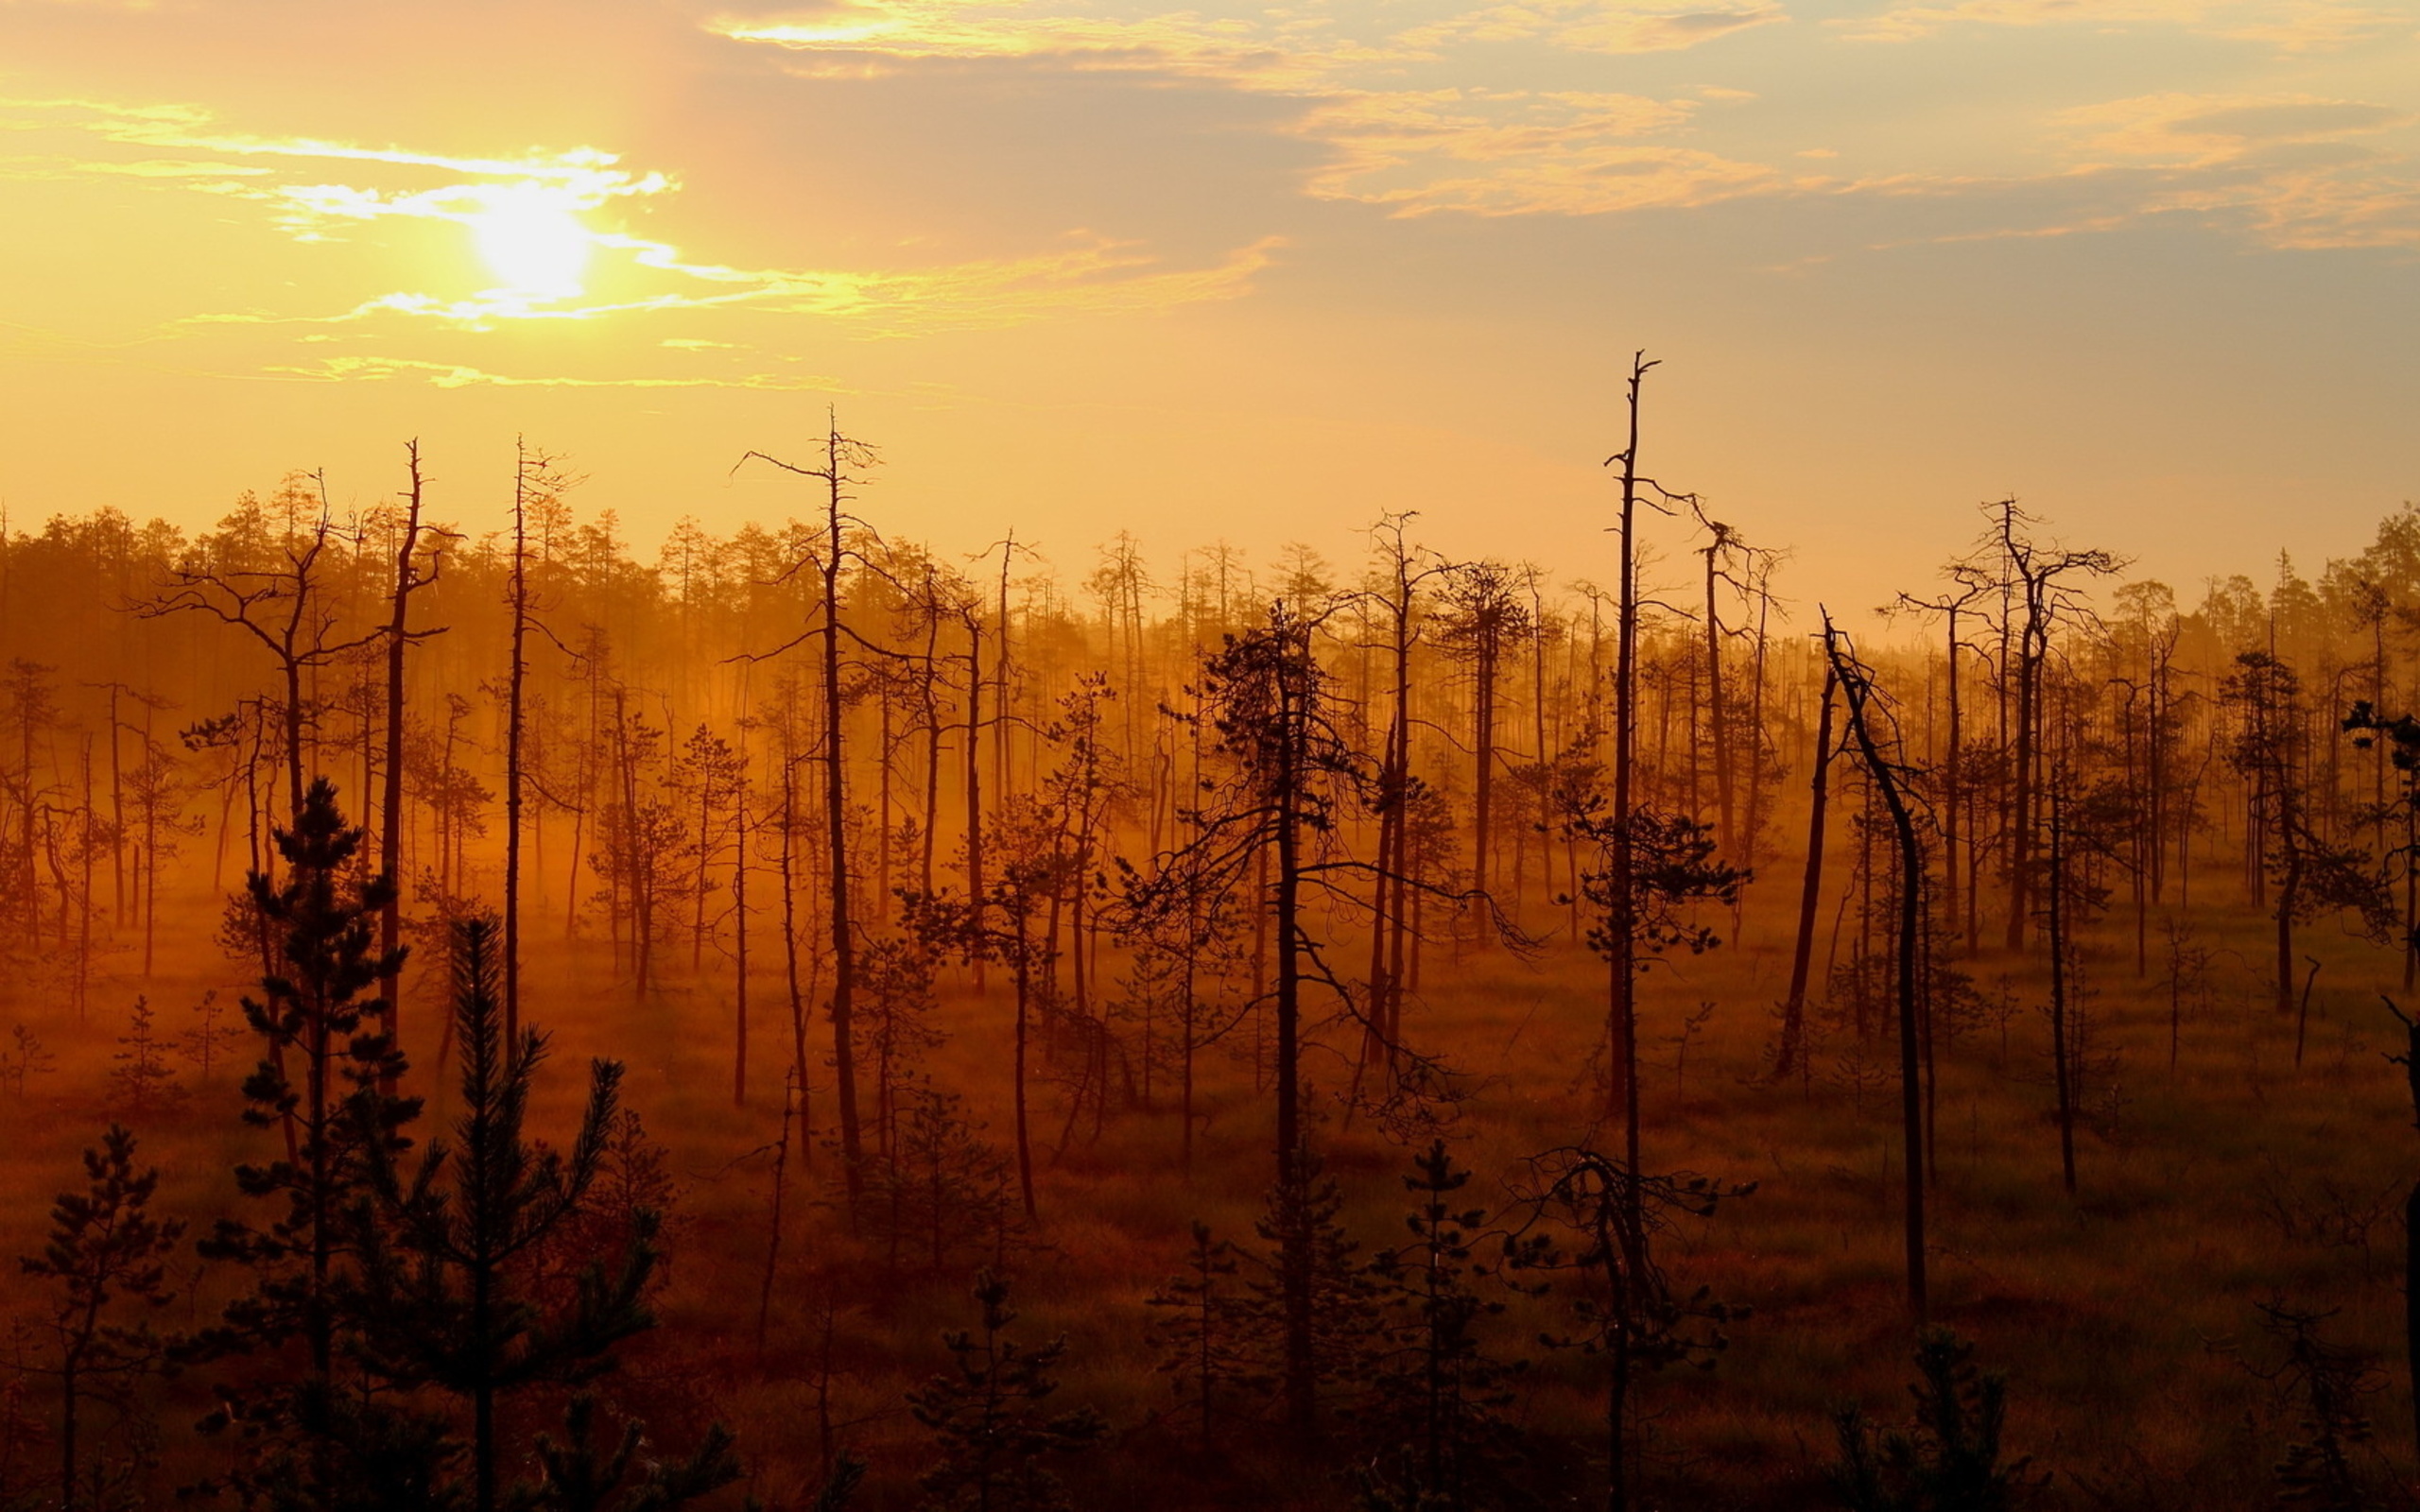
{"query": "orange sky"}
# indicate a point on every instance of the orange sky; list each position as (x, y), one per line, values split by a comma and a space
(1256, 272)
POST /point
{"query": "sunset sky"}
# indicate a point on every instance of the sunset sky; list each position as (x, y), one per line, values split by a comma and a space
(1258, 272)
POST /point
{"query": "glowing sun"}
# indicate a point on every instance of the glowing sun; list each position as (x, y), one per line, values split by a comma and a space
(535, 245)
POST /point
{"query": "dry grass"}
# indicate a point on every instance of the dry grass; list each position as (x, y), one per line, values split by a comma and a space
(2234, 1180)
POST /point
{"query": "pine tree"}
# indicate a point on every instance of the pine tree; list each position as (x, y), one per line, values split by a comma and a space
(443, 1294)
(580, 1474)
(1628, 1311)
(944, 1187)
(2328, 1380)
(989, 1420)
(1946, 1460)
(310, 1444)
(26, 1058)
(1309, 1255)
(1436, 1419)
(105, 1250)
(204, 1044)
(1202, 1335)
(141, 1081)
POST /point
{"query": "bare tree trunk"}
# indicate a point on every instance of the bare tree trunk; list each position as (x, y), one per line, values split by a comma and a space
(390, 809)
(2062, 1059)
(1621, 1091)
(1292, 1169)
(1858, 692)
(835, 811)
(739, 929)
(514, 712)
(1716, 712)
(789, 954)
(1794, 1015)
(975, 775)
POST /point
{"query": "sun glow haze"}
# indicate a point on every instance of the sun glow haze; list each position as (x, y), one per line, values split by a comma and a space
(533, 242)
(1898, 255)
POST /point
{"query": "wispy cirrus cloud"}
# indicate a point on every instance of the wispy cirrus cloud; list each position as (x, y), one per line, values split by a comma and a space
(537, 206)
(1495, 154)
(2186, 131)
(1282, 56)
(1093, 275)
(2295, 170)
(463, 375)
(1457, 148)
(2282, 171)
(1593, 26)
(2287, 26)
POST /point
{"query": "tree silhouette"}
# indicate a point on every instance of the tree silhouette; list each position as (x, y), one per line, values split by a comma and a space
(1949, 1458)
(1202, 1336)
(1438, 1414)
(1591, 1216)
(443, 1293)
(105, 1252)
(292, 1414)
(987, 1415)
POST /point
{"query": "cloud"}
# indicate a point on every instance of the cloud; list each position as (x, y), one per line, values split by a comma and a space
(2185, 130)
(1092, 275)
(545, 194)
(2286, 172)
(2294, 170)
(1415, 151)
(1273, 50)
(1595, 27)
(2286, 25)
(1518, 153)
(1286, 56)
(190, 126)
(461, 375)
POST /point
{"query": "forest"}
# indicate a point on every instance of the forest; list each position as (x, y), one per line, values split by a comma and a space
(497, 1017)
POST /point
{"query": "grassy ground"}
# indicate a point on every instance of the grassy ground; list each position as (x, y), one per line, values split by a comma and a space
(2126, 1316)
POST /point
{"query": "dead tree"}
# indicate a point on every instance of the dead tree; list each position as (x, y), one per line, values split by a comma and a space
(2314, 876)
(285, 610)
(1484, 619)
(536, 483)
(2410, 1061)
(844, 460)
(1399, 599)
(1794, 1010)
(399, 636)
(1858, 692)
(1970, 586)
(2037, 578)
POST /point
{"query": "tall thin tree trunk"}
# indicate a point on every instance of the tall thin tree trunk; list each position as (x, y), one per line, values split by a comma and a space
(1794, 1015)
(390, 809)
(2062, 1059)
(516, 678)
(1856, 692)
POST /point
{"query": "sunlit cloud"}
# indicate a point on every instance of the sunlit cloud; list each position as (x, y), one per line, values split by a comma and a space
(528, 219)
(2298, 171)
(1414, 152)
(523, 214)
(2286, 172)
(2287, 26)
(1093, 275)
(1286, 55)
(459, 375)
(1590, 26)
(1517, 153)
(2198, 131)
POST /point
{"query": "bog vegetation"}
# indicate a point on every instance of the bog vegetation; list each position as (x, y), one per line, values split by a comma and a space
(493, 1020)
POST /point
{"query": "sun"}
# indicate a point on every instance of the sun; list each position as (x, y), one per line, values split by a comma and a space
(532, 241)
